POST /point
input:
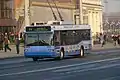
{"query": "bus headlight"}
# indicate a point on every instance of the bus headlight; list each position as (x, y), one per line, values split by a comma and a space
(51, 50)
(57, 51)
(90, 46)
(25, 50)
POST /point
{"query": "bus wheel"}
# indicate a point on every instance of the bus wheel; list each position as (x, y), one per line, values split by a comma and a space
(61, 54)
(35, 59)
(81, 52)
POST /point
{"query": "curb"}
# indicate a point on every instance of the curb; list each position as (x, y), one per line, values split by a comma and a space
(14, 57)
(104, 49)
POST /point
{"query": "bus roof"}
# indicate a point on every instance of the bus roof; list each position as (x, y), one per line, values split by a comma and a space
(65, 27)
(70, 27)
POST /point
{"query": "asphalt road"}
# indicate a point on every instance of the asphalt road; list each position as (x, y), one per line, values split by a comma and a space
(92, 67)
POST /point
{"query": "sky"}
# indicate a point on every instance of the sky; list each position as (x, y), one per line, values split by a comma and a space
(112, 6)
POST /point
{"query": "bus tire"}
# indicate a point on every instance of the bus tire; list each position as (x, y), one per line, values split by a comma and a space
(82, 51)
(61, 54)
(35, 59)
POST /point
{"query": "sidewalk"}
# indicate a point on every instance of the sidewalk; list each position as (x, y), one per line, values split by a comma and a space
(106, 46)
(13, 53)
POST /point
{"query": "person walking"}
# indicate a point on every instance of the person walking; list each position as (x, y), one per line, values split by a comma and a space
(118, 40)
(115, 37)
(102, 41)
(17, 43)
(6, 43)
(1, 41)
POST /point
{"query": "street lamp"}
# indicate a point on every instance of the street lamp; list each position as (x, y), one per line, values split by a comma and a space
(27, 12)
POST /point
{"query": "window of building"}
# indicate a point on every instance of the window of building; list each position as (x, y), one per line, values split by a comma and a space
(6, 9)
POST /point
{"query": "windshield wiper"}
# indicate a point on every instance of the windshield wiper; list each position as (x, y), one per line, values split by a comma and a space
(42, 42)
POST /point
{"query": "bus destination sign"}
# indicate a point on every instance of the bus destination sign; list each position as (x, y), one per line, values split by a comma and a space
(39, 28)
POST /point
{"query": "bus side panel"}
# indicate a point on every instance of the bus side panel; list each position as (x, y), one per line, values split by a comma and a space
(72, 53)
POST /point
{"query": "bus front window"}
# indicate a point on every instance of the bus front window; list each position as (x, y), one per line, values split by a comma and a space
(31, 40)
(39, 39)
(45, 39)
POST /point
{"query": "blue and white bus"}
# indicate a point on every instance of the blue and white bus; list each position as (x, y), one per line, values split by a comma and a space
(57, 41)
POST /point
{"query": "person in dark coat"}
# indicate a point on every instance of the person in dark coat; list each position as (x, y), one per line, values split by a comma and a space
(6, 43)
(17, 43)
(114, 37)
(1, 41)
(118, 40)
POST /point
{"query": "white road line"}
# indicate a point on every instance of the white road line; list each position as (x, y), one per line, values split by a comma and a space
(53, 68)
(92, 69)
(65, 75)
(75, 68)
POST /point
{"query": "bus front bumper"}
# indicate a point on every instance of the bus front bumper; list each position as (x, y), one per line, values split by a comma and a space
(41, 54)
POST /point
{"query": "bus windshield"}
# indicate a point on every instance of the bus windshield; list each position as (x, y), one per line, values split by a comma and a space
(39, 39)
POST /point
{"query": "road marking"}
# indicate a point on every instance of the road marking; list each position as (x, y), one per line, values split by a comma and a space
(91, 69)
(75, 68)
(53, 68)
(65, 75)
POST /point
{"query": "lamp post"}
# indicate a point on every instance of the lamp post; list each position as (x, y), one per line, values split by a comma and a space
(81, 11)
(27, 12)
(78, 12)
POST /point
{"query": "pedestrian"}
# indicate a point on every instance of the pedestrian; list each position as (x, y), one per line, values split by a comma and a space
(1, 41)
(17, 43)
(118, 40)
(115, 37)
(6, 44)
(102, 41)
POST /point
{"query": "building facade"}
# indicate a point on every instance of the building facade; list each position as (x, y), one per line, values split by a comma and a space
(7, 18)
(93, 9)
(77, 11)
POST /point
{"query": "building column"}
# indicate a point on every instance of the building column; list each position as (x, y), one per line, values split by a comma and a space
(96, 22)
(93, 24)
(101, 22)
(90, 19)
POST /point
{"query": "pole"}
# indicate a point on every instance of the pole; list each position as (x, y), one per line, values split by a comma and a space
(106, 14)
(27, 12)
(80, 12)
